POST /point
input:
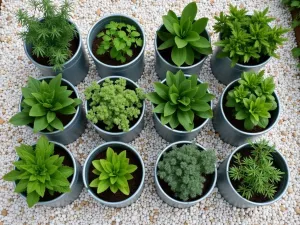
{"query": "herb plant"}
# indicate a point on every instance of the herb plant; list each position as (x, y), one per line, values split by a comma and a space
(114, 172)
(42, 104)
(118, 39)
(180, 99)
(183, 169)
(256, 173)
(184, 36)
(252, 99)
(247, 39)
(39, 171)
(113, 104)
(51, 37)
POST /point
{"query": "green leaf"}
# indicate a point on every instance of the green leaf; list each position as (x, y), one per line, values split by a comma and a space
(192, 36)
(40, 123)
(174, 121)
(103, 186)
(50, 116)
(66, 171)
(55, 83)
(174, 97)
(97, 165)
(204, 114)
(178, 55)
(168, 24)
(165, 120)
(30, 101)
(184, 120)
(164, 36)
(32, 186)
(131, 168)
(154, 98)
(21, 118)
(189, 13)
(37, 110)
(177, 29)
(169, 109)
(167, 44)
(57, 124)
(181, 43)
(103, 176)
(170, 79)
(69, 110)
(200, 105)
(125, 190)
(199, 25)
(202, 90)
(12, 175)
(21, 186)
(94, 183)
(201, 43)
(241, 115)
(161, 89)
(109, 154)
(159, 108)
(32, 199)
(34, 84)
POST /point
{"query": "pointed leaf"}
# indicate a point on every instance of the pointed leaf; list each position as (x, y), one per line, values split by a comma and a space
(21, 118)
(178, 55)
(199, 25)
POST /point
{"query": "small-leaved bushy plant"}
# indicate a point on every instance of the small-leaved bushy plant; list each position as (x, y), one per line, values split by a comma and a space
(183, 169)
(39, 171)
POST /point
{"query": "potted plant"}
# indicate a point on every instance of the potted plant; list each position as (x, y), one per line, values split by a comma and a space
(114, 174)
(115, 106)
(255, 174)
(248, 108)
(117, 45)
(51, 106)
(185, 173)
(182, 43)
(46, 174)
(181, 106)
(247, 42)
(53, 43)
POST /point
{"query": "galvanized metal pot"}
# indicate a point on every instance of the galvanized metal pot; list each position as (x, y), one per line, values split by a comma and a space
(228, 132)
(88, 164)
(133, 69)
(74, 70)
(73, 130)
(134, 131)
(164, 196)
(173, 135)
(162, 65)
(233, 197)
(223, 72)
(76, 184)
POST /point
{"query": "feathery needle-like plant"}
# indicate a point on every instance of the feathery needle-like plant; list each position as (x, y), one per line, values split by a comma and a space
(184, 36)
(114, 172)
(39, 171)
(183, 169)
(42, 104)
(256, 174)
(180, 99)
(51, 37)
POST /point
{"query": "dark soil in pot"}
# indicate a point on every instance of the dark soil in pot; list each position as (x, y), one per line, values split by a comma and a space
(133, 184)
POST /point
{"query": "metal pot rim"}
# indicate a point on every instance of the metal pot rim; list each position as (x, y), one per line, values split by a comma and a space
(132, 127)
(222, 98)
(167, 196)
(89, 161)
(244, 199)
(119, 66)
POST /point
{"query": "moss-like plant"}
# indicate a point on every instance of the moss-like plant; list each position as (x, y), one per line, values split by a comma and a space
(42, 104)
(51, 37)
(183, 169)
(113, 104)
(38, 171)
(184, 36)
(256, 174)
(114, 172)
(180, 99)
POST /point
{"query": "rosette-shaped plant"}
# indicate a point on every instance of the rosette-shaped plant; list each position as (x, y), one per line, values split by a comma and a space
(43, 103)
(38, 171)
(180, 99)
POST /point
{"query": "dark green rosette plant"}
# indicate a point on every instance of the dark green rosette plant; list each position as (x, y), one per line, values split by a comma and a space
(256, 174)
(252, 100)
(180, 99)
(113, 104)
(183, 35)
(114, 172)
(51, 37)
(43, 103)
(183, 169)
(247, 39)
(39, 171)
(119, 39)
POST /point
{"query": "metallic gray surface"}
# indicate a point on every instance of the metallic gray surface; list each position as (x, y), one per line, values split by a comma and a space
(74, 70)
(165, 197)
(223, 71)
(73, 130)
(88, 163)
(230, 134)
(133, 132)
(162, 66)
(133, 69)
(233, 197)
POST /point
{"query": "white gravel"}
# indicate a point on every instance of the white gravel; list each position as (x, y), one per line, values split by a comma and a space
(149, 209)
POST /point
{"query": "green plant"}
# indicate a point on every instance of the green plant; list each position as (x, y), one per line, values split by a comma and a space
(247, 39)
(43, 103)
(51, 37)
(113, 104)
(114, 172)
(183, 169)
(252, 99)
(39, 171)
(118, 39)
(256, 174)
(180, 99)
(184, 36)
